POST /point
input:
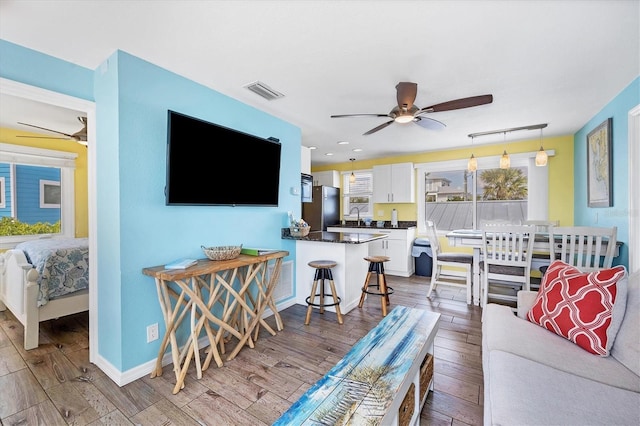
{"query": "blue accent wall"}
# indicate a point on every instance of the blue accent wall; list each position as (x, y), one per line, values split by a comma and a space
(141, 227)
(618, 214)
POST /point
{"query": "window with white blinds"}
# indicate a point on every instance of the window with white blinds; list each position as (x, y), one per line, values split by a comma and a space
(357, 196)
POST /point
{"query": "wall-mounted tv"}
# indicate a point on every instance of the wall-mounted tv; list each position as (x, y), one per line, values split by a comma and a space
(208, 164)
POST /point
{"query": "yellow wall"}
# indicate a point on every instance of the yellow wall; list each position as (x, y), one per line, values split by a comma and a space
(560, 173)
(81, 176)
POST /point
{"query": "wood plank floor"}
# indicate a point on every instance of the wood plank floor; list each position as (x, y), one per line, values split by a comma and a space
(55, 384)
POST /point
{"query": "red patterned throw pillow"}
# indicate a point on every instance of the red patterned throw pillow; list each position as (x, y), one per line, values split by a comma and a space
(585, 308)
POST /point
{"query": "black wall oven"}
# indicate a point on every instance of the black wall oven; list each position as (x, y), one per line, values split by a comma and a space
(306, 186)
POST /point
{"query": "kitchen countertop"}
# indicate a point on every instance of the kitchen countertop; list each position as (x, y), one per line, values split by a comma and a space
(335, 237)
(373, 226)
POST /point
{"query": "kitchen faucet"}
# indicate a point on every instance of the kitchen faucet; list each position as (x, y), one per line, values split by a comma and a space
(357, 210)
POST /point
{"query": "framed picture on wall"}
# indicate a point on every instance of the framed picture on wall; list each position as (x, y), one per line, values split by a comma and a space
(599, 165)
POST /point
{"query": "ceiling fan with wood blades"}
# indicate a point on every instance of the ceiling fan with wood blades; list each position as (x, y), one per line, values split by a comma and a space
(79, 136)
(406, 111)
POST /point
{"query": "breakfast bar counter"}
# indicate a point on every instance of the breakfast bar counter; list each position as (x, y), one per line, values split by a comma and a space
(336, 237)
(347, 249)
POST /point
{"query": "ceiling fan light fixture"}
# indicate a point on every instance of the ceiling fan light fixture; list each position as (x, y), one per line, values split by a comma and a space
(404, 118)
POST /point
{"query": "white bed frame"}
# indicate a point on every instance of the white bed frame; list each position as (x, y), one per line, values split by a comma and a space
(19, 293)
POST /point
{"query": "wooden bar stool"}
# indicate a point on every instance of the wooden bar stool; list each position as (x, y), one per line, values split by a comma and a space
(376, 264)
(323, 272)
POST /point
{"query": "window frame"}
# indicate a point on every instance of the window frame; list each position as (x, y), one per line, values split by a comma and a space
(66, 161)
(3, 202)
(346, 194)
(537, 183)
(43, 185)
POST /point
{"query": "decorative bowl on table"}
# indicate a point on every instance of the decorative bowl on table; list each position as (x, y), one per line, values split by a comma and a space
(222, 252)
(299, 231)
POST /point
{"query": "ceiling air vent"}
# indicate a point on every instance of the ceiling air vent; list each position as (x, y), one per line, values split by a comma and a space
(263, 90)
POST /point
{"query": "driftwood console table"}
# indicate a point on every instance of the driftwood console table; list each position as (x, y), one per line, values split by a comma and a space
(224, 298)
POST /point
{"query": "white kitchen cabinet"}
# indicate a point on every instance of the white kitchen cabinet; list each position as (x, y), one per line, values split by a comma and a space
(393, 249)
(397, 246)
(394, 183)
(327, 178)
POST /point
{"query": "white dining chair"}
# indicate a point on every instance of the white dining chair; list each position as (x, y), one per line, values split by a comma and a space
(457, 266)
(540, 259)
(506, 264)
(587, 248)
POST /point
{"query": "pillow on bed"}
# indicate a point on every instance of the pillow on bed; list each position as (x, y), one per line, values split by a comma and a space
(585, 308)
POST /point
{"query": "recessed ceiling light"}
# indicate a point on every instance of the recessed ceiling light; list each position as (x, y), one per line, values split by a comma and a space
(343, 143)
(357, 149)
(329, 153)
(313, 147)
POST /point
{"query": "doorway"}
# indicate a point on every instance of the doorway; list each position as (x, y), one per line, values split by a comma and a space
(58, 100)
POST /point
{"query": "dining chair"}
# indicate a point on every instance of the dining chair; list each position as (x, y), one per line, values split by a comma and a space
(506, 264)
(540, 259)
(587, 248)
(449, 277)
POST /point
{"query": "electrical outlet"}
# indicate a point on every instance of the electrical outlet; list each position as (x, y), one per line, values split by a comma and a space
(152, 332)
(380, 213)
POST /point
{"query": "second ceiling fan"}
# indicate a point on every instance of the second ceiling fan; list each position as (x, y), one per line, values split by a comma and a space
(406, 111)
(79, 136)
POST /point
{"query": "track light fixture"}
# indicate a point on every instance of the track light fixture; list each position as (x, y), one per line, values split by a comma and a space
(505, 162)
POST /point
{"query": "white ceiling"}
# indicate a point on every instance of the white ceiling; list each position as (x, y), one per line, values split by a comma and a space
(556, 62)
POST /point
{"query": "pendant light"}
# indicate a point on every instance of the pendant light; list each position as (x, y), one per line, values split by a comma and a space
(541, 156)
(352, 178)
(472, 165)
(505, 161)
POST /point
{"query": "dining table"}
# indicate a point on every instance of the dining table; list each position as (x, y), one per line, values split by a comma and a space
(472, 238)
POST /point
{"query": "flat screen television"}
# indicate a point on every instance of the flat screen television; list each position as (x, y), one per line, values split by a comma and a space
(209, 164)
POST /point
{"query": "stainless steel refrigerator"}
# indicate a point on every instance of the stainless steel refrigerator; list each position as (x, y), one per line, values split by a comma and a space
(324, 210)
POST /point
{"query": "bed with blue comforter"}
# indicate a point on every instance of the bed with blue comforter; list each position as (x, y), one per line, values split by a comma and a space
(62, 265)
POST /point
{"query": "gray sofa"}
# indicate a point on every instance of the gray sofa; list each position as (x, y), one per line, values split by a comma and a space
(534, 377)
